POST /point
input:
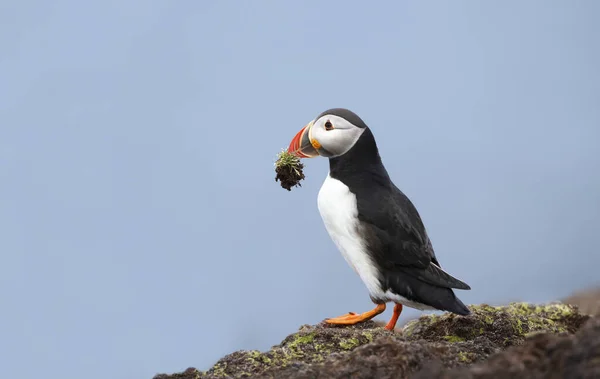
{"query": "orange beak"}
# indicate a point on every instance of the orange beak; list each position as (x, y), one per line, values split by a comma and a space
(301, 145)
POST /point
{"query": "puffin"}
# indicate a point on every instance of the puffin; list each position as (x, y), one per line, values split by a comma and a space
(373, 223)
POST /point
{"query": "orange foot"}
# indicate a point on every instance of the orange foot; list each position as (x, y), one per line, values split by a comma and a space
(353, 318)
(392, 323)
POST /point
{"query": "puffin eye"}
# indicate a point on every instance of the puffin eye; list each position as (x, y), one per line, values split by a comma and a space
(328, 125)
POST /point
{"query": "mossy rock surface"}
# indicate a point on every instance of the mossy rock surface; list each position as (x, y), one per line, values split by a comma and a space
(540, 356)
(430, 343)
(588, 301)
(310, 344)
(502, 326)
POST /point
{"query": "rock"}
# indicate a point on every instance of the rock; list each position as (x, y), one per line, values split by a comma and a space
(310, 344)
(500, 326)
(434, 343)
(543, 355)
(587, 301)
(190, 373)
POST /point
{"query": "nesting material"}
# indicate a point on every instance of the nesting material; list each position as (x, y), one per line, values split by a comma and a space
(289, 170)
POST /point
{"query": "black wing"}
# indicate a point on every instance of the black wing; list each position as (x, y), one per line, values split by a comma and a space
(398, 240)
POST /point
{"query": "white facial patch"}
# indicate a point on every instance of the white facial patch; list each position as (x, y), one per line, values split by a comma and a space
(339, 140)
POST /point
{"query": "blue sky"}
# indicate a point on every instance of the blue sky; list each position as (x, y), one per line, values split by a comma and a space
(142, 231)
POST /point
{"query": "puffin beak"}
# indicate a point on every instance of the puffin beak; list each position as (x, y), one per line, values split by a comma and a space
(301, 145)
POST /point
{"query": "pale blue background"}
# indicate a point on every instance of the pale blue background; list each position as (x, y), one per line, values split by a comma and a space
(142, 231)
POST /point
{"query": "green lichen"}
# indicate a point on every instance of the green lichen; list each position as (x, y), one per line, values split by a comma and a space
(219, 369)
(321, 347)
(349, 344)
(465, 357)
(282, 357)
(309, 344)
(414, 326)
(506, 325)
(488, 319)
(454, 339)
(299, 340)
(410, 327)
(531, 318)
(257, 358)
(468, 357)
(465, 339)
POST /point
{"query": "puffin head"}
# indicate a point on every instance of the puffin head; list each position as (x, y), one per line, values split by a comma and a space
(331, 134)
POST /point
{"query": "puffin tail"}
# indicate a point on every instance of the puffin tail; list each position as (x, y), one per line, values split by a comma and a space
(442, 298)
(459, 307)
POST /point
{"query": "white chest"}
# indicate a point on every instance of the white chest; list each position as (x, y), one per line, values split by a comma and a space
(337, 206)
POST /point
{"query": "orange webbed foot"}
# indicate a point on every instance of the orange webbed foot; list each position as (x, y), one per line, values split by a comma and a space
(352, 318)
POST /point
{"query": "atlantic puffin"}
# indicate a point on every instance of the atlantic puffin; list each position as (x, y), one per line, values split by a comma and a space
(373, 224)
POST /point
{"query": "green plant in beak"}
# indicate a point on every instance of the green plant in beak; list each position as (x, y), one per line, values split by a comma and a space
(289, 170)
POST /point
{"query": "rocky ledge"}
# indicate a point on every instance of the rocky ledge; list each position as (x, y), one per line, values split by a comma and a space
(519, 340)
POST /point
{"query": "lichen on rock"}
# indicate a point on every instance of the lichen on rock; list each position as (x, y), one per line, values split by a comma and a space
(310, 344)
(540, 356)
(502, 325)
(429, 346)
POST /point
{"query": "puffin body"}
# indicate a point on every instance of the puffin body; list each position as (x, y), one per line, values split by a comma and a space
(374, 225)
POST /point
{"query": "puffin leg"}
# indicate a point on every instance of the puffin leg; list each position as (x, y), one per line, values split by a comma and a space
(392, 323)
(353, 318)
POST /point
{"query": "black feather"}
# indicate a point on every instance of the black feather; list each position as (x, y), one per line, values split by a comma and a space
(418, 291)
